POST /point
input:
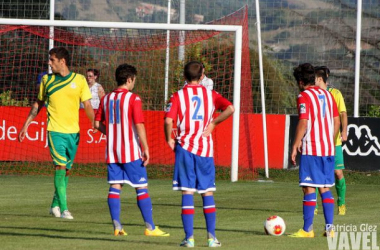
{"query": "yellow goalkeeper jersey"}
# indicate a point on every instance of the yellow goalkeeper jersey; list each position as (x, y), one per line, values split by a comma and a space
(62, 96)
(338, 97)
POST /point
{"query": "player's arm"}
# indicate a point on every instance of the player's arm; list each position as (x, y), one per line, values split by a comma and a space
(100, 126)
(171, 113)
(336, 116)
(89, 112)
(223, 116)
(336, 125)
(36, 107)
(342, 113)
(138, 120)
(344, 121)
(221, 103)
(168, 127)
(303, 106)
(140, 127)
(297, 143)
(99, 118)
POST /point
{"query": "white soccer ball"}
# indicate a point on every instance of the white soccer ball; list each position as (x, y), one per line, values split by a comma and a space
(274, 225)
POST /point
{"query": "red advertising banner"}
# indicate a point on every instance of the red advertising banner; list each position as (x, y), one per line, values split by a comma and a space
(92, 145)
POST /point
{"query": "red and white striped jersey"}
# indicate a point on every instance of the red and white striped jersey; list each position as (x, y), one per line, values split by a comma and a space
(192, 108)
(319, 108)
(120, 110)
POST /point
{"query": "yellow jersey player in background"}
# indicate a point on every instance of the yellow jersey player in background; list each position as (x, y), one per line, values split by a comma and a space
(61, 92)
(321, 76)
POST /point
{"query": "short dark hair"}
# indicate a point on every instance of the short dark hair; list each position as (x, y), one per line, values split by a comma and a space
(305, 73)
(124, 72)
(193, 71)
(95, 71)
(322, 71)
(61, 53)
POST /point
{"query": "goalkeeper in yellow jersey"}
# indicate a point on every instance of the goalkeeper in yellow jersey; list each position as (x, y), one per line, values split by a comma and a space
(61, 92)
(321, 75)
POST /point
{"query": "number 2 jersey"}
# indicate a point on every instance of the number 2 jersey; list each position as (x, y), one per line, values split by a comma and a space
(192, 109)
(120, 111)
(318, 107)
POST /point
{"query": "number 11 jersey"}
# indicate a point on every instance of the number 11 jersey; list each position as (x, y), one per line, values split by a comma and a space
(120, 111)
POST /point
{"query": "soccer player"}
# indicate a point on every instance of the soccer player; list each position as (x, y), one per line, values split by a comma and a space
(62, 92)
(316, 129)
(120, 118)
(322, 74)
(192, 109)
(205, 81)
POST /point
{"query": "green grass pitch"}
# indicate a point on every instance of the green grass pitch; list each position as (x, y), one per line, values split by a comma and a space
(242, 207)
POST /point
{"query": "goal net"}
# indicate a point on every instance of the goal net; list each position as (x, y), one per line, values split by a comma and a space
(24, 56)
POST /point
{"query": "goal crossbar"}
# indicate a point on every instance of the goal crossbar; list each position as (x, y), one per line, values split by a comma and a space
(148, 26)
(237, 29)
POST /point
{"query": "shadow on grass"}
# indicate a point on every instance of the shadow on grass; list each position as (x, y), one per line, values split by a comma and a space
(233, 208)
(106, 239)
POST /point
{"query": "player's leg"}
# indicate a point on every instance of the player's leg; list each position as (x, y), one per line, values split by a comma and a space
(209, 211)
(205, 172)
(326, 195)
(340, 182)
(70, 144)
(309, 202)
(187, 217)
(316, 202)
(310, 177)
(145, 205)
(135, 175)
(55, 210)
(116, 180)
(328, 210)
(57, 146)
(184, 180)
(114, 206)
(60, 187)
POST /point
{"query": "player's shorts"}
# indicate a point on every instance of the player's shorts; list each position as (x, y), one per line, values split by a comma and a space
(316, 171)
(193, 172)
(339, 163)
(63, 148)
(131, 173)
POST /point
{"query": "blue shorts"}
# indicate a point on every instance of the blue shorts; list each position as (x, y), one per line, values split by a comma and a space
(132, 173)
(193, 172)
(317, 171)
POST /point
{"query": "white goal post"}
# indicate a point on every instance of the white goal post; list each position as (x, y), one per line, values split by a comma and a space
(237, 29)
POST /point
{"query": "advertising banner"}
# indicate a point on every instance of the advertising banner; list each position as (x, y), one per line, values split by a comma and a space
(92, 145)
(361, 151)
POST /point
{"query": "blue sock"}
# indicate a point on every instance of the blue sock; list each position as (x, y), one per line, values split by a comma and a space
(114, 206)
(145, 204)
(188, 215)
(328, 208)
(210, 215)
(309, 202)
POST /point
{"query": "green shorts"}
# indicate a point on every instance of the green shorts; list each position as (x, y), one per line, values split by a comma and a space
(63, 148)
(339, 163)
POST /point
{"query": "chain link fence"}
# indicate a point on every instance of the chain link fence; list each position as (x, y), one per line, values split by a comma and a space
(321, 32)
